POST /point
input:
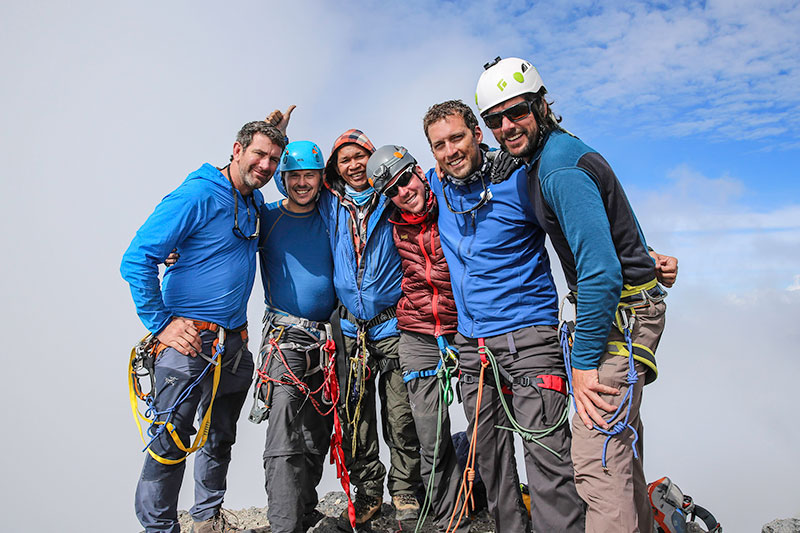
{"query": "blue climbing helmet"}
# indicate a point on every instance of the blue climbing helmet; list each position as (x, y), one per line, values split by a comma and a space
(298, 155)
(301, 155)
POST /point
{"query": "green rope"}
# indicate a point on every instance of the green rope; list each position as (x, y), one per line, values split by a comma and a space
(530, 435)
(443, 376)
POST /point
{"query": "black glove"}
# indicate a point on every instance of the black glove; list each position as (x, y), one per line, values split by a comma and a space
(503, 165)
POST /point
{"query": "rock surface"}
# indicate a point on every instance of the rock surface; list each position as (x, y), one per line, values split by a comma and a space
(332, 505)
(787, 525)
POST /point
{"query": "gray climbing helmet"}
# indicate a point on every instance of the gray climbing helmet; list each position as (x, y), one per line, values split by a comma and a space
(386, 163)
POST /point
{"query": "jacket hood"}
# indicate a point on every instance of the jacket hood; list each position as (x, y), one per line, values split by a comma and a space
(333, 180)
(218, 177)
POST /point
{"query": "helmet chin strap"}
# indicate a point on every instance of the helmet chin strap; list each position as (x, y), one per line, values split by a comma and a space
(486, 164)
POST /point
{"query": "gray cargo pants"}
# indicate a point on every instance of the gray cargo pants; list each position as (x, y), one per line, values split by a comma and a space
(617, 500)
(366, 470)
(555, 504)
(298, 436)
(157, 492)
(421, 352)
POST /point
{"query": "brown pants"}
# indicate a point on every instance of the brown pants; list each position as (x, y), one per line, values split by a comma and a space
(617, 500)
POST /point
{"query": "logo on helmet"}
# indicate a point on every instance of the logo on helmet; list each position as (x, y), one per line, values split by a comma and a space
(501, 84)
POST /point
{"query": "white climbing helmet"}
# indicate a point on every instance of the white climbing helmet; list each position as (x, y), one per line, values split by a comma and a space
(504, 79)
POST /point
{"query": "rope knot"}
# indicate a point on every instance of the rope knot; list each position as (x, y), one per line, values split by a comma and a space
(470, 474)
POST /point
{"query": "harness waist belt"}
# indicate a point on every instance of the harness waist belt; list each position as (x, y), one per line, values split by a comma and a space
(543, 381)
(387, 314)
(203, 325)
(652, 293)
(282, 318)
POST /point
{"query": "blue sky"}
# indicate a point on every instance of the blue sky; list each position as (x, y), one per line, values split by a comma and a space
(106, 107)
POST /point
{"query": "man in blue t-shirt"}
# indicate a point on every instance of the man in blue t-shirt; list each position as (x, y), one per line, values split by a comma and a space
(293, 386)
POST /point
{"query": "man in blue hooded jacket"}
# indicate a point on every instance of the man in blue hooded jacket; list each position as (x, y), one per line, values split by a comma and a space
(506, 302)
(212, 220)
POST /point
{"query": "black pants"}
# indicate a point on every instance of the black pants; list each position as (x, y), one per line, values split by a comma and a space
(555, 503)
(298, 437)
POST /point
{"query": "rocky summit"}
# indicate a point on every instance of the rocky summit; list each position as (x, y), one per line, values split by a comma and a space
(331, 506)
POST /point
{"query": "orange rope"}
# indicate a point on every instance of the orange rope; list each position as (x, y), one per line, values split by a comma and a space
(469, 471)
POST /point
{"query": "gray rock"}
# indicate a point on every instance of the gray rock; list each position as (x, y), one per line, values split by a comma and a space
(787, 525)
(332, 505)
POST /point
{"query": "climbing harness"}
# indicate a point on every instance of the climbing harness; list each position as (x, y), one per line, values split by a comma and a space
(142, 362)
(445, 370)
(503, 380)
(276, 323)
(632, 298)
(674, 512)
(547, 381)
(358, 370)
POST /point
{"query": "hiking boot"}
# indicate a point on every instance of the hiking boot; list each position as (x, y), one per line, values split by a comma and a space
(366, 507)
(223, 522)
(407, 507)
(312, 519)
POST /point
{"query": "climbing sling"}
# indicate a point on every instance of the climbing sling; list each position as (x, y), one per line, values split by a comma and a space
(142, 362)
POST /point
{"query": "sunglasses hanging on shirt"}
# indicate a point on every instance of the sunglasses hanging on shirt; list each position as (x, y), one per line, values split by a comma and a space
(236, 230)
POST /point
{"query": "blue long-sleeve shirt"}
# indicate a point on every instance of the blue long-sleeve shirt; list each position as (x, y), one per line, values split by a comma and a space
(215, 274)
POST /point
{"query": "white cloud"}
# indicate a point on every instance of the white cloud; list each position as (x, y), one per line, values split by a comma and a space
(721, 241)
(795, 286)
(728, 70)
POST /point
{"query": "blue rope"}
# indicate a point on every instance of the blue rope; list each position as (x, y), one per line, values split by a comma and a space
(631, 379)
(155, 430)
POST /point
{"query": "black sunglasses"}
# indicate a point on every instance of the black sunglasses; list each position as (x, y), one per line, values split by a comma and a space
(402, 181)
(514, 113)
(236, 230)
